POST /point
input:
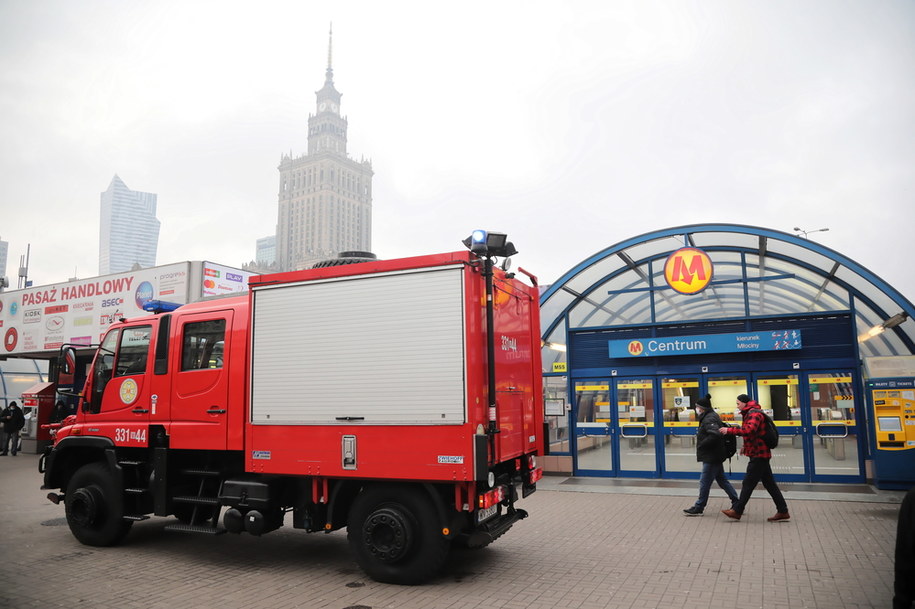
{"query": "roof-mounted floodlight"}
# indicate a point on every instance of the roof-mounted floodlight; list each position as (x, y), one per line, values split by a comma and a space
(488, 243)
(880, 328)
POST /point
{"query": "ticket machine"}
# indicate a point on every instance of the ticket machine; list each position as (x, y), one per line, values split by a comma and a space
(892, 404)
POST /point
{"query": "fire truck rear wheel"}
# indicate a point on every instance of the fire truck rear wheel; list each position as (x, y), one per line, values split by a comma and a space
(95, 507)
(395, 535)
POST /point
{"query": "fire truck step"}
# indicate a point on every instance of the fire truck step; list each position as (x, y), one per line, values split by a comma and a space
(130, 463)
(196, 500)
(135, 518)
(194, 528)
(200, 472)
(135, 491)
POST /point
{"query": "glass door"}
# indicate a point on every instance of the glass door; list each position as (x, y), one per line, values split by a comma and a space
(779, 397)
(593, 451)
(634, 410)
(678, 396)
(834, 429)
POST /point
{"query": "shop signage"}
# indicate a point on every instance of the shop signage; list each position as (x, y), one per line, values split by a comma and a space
(688, 270)
(772, 340)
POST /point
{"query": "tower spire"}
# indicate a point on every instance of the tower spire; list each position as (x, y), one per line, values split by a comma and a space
(329, 77)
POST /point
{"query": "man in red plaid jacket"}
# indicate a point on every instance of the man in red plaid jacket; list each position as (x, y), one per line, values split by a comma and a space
(759, 468)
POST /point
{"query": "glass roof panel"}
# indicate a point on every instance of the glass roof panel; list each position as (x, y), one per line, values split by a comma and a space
(554, 307)
(584, 280)
(808, 289)
(550, 356)
(723, 301)
(610, 303)
(655, 247)
(791, 250)
(725, 239)
(869, 290)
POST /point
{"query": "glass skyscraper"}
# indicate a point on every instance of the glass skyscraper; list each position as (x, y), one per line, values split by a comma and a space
(129, 230)
(4, 252)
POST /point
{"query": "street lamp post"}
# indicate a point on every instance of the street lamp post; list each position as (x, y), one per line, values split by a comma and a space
(801, 232)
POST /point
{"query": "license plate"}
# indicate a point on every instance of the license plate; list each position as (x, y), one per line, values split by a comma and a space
(486, 514)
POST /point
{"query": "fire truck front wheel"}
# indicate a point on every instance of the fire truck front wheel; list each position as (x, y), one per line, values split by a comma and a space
(395, 535)
(95, 507)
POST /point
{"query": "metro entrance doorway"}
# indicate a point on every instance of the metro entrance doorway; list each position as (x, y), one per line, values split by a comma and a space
(644, 426)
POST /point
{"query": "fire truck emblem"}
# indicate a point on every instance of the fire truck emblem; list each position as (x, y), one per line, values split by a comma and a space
(688, 270)
(636, 347)
(129, 391)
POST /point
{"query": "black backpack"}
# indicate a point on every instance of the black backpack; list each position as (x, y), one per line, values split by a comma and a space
(770, 432)
(730, 443)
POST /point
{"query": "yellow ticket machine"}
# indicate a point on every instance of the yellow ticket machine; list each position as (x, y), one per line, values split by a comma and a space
(892, 402)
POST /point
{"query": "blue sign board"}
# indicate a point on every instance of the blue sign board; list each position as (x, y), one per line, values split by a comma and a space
(771, 340)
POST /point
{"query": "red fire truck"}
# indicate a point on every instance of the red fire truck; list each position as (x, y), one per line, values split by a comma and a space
(400, 399)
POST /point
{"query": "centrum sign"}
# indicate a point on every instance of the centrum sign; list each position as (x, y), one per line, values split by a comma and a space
(772, 340)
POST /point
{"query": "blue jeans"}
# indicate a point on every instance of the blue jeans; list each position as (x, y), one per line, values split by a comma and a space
(714, 471)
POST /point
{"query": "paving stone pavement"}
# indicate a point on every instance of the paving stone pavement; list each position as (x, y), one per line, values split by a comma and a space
(587, 544)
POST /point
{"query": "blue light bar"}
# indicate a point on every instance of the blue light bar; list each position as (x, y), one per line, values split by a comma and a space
(160, 306)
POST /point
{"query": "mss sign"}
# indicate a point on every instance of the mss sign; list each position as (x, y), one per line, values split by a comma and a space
(688, 270)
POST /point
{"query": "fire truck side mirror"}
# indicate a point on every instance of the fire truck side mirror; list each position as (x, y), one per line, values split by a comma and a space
(67, 361)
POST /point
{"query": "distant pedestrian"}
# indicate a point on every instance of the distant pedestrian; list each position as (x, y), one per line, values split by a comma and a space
(13, 421)
(759, 468)
(710, 451)
(904, 585)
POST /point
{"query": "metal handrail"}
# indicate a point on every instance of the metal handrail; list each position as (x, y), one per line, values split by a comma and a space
(642, 425)
(842, 425)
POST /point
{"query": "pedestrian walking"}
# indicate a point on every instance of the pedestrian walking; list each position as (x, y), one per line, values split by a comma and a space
(13, 421)
(711, 452)
(759, 468)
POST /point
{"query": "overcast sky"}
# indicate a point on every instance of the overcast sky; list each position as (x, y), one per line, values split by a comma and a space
(571, 126)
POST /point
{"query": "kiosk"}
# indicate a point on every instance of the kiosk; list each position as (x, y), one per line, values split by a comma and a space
(891, 400)
(37, 406)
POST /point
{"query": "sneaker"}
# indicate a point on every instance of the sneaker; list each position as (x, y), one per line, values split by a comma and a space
(732, 514)
(779, 516)
(693, 511)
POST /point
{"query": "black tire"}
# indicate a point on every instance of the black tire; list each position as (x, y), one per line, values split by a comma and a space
(395, 535)
(95, 507)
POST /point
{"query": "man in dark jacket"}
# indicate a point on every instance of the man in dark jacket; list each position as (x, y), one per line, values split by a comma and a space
(710, 452)
(759, 468)
(13, 421)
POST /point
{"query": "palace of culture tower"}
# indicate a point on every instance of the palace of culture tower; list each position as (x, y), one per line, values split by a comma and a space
(325, 197)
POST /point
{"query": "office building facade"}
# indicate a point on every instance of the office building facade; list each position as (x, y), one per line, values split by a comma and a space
(4, 254)
(325, 197)
(266, 251)
(128, 230)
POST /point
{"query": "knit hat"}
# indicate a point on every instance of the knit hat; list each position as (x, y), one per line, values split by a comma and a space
(744, 398)
(705, 402)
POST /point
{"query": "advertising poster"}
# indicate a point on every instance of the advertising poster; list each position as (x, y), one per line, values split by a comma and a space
(43, 318)
(219, 280)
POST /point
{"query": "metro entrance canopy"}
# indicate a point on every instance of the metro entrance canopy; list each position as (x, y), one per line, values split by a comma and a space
(758, 272)
(640, 330)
